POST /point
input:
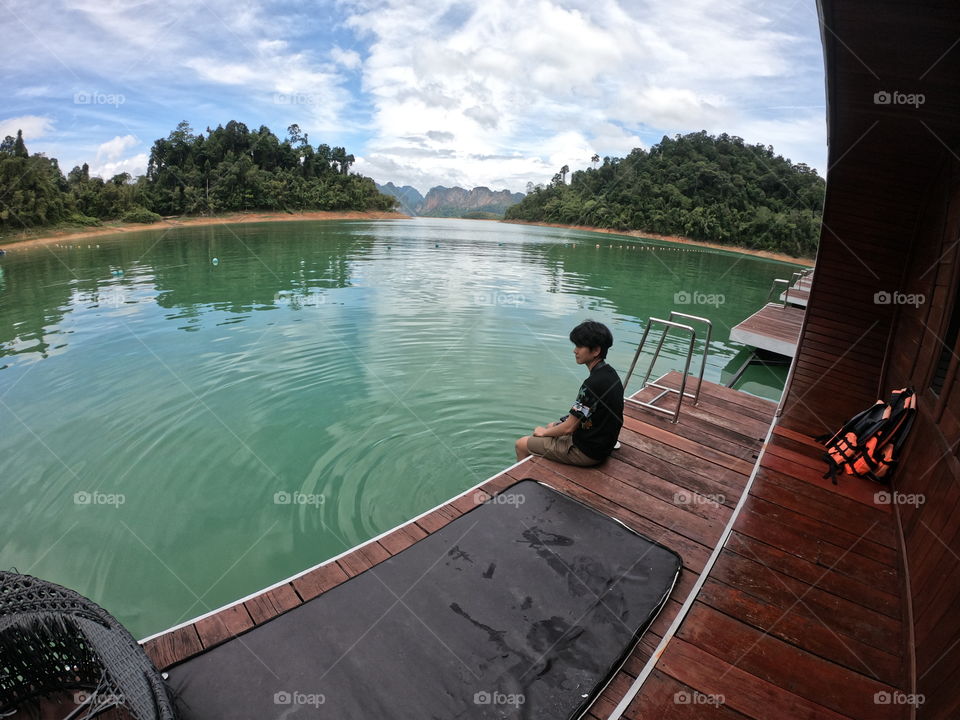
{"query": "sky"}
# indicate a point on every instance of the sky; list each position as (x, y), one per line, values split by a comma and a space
(496, 93)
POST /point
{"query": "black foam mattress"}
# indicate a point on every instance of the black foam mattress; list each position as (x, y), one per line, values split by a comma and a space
(523, 607)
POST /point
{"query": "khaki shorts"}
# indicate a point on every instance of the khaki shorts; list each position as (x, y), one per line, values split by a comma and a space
(560, 449)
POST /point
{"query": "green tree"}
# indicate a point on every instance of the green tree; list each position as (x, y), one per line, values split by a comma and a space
(708, 188)
(19, 149)
(229, 168)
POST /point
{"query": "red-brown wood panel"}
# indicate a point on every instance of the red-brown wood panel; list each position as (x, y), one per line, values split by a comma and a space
(174, 646)
(928, 474)
(805, 675)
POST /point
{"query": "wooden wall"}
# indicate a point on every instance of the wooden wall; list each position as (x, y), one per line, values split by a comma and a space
(929, 477)
(863, 251)
(892, 225)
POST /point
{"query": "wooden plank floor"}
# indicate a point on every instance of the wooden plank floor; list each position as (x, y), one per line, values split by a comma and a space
(796, 297)
(773, 327)
(799, 292)
(800, 617)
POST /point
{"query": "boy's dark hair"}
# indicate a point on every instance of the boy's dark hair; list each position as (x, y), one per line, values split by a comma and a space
(591, 334)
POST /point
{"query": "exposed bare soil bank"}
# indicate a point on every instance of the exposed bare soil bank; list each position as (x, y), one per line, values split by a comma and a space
(674, 239)
(67, 235)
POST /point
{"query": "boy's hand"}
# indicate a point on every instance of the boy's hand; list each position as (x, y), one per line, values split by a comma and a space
(540, 431)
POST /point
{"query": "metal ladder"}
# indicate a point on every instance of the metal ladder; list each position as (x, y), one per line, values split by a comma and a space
(791, 284)
(681, 393)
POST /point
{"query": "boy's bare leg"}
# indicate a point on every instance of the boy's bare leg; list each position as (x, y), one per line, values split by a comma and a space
(521, 448)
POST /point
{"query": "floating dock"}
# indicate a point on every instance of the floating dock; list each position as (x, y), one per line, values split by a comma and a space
(774, 327)
(799, 292)
(792, 611)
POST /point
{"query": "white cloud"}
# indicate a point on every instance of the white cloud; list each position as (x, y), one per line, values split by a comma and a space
(178, 47)
(33, 126)
(113, 149)
(350, 59)
(109, 160)
(673, 107)
(556, 82)
(614, 140)
(33, 91)
(798, 138)
(281, 77)
(453, 91)
(135, 165)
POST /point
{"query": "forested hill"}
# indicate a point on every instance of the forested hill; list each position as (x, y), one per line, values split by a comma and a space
(230, 168)
(716, 189)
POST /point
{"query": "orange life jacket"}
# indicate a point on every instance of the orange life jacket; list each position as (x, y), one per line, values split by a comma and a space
(868, 444)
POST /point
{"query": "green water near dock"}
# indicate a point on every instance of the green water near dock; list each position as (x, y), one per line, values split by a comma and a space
(189, 415)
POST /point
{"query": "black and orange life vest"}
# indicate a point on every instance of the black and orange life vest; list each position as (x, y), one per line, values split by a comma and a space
(868, 444)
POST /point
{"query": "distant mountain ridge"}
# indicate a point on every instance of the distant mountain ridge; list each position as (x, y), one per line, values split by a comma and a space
(452, 202)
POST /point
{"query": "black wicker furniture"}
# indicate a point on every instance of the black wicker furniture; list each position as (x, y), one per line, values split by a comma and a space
(54, 641)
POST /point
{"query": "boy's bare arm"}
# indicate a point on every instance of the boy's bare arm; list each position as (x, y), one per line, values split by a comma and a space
(558, 429)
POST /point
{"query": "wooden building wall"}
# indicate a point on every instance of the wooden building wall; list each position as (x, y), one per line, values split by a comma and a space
(891, 230)
(863, 250)
(929, 478)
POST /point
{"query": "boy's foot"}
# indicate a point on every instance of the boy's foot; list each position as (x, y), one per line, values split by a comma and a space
(617, 446)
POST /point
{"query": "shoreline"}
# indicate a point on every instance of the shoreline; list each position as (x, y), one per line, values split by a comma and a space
(70, 234)
(78, 234)
(766, 254)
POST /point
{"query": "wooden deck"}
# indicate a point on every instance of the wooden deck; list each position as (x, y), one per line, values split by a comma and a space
(773, 327)
(799, 618)
(799, 293)
(796, 296)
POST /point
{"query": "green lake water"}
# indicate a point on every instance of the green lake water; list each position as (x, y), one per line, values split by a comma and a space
(189, 415)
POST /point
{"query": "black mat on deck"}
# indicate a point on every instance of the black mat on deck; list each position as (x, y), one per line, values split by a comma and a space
(522, 608)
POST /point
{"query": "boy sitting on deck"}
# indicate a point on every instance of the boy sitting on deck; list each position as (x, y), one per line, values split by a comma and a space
(589, 433)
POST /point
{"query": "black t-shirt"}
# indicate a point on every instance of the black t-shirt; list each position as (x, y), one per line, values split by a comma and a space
(599, 406)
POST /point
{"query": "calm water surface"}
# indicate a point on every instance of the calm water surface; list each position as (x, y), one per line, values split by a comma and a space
(187, 416)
